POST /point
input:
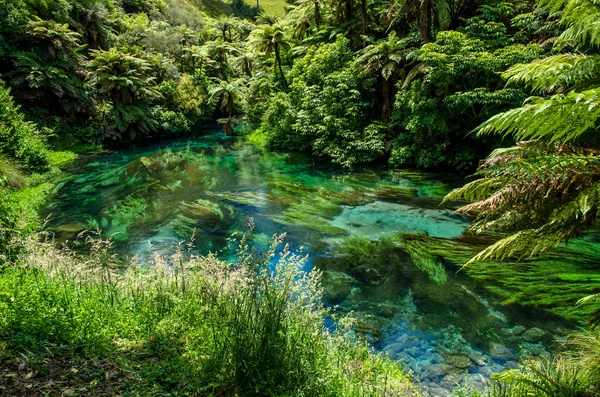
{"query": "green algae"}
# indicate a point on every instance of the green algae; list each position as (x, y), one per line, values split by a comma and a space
(202, 210)
(552, 282)
(212, 186)
(123, 215)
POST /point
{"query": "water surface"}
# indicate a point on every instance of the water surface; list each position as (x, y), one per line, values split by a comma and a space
(389, 252)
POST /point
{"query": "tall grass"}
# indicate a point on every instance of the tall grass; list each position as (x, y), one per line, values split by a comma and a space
(190, 324)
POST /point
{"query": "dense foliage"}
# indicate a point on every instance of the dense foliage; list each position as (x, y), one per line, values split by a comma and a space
(351, 82)
(185, 325)
(545, 189)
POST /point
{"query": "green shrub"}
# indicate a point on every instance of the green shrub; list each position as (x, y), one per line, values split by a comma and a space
(20, 139)
(573, 373)
(190, 324)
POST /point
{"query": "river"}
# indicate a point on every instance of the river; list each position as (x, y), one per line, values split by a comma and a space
(389, 253)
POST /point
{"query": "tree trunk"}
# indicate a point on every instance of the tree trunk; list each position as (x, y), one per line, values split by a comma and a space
(349, 10)
(317, 15)
(278, 61)
(425, 23)
(385, 111)
(363, 8)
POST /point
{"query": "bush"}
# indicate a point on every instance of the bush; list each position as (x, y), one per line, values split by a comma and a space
(192, 324)
(20, 139)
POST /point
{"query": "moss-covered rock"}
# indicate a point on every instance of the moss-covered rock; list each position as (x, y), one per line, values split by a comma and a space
(337, 286)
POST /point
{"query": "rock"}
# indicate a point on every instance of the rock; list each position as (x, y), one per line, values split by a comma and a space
(511, 365)
(68, 230)
(203, 210)
(458, 361)
(437, 372)
(478, 359)
(414, 352)
(500, 352)
(534, 349)
(436, 358)
(337, 286)
(387, 310)
(533, 335)
(451, 380)
(394, 348)
(497, 320)
(367, 274)
(437, 391)
(517, 330)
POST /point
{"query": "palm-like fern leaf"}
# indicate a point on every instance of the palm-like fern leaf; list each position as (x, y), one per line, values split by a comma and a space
(557, 73)
(561, 118)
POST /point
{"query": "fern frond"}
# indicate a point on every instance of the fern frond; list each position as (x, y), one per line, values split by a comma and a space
(561, 118)
(477, 190)
(582, 18)
(525, 243)
(556, 73)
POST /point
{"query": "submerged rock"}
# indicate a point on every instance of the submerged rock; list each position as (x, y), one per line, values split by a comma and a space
(459, 361)
(533, 335)
(478, 359)
(68, 230)
(500, 352)
(337, 286)
(516, 330)
(380, 218)
(452, 379)
(203, 210)
(367, 274)
(437, 371)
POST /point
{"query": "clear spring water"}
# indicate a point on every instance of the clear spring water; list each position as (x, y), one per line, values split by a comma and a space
(447, 332)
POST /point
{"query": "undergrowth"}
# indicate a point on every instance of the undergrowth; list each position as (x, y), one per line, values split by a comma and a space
(182, 325)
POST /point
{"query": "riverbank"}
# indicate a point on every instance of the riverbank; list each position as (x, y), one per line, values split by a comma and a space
(180, 325)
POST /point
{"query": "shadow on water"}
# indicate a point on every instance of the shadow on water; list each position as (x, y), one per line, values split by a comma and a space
(388, 251)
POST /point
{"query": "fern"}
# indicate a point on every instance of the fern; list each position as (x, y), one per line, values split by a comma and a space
(547, 188)
(557, 73)
(561, 118)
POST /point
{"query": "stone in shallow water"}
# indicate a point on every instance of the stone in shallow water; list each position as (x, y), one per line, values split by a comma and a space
(459, 361)
(533, 335)
(436, 372)
(500, 352)
(367, 274)
(516, 330)
(337, 286)
(379, 218)
(478, 359)
(451, 380)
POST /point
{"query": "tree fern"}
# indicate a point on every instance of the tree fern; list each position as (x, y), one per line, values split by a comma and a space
(546, 189)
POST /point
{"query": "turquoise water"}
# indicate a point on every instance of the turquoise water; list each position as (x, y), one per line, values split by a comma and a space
(374, 234)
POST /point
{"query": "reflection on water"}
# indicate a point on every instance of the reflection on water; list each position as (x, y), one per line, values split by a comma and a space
(387, 249)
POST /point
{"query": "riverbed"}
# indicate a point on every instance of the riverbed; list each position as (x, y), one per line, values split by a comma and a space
(389, 252)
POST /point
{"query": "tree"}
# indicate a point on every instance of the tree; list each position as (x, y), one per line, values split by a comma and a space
(387, 57)
(20, 140)
(229, 94)
(225, 24)
(269, 39)
(217, 53)
(126, 83)
(546, 189)
(454, 87)
(47, 73)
